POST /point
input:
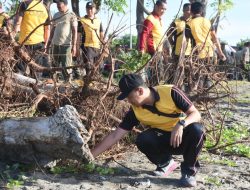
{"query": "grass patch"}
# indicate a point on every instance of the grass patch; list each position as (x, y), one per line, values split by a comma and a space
(234, 83)
(222, 161)
(213, 181)
(12, 176)
(231, 135)
(243, 101)
(88, 168)
(229, 114)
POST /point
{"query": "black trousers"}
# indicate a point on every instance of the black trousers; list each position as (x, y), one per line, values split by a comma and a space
(155, 144)
(42, 60)
(90, 56)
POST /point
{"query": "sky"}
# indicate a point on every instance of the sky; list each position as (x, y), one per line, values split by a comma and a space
(234, 26)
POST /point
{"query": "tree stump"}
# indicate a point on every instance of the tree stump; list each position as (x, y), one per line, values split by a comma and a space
(45, 140)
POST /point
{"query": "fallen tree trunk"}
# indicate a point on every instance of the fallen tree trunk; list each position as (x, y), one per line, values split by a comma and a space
(45, 140)
(23, 80)
(20, 81)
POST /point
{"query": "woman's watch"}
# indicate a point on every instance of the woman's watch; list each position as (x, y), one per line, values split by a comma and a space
(182, 122)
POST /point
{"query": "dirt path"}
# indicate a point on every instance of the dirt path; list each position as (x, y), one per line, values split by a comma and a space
(211, 176)
(216, 171)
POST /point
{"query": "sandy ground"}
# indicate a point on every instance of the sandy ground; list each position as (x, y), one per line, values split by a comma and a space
(139, 176)
(137, 173)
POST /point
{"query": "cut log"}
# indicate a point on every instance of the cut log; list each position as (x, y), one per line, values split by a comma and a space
(24, 84)
(23, 80)
(45, 140)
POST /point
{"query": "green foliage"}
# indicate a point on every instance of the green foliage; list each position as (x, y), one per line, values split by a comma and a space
(64, 169)
(213, 180)
(12, 8)
(229, 114)
(125, 41)
(235, 133)
(209, 142)
(12, 175)
(89, 168)
(247, 67)
(14, 183)
(117, 6)
(231, 135)
(227, 162)
(222, 161)
(133, 60)
(243, 101)
(240, 149)
(242, 41)
(105, 170)
(222, 5)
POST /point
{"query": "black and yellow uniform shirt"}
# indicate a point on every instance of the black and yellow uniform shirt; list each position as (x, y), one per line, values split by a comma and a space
(198, 30)
(90, 30)
(34, 13)
(168, 100)
(178, 28)
(152, 34)
(3, 22)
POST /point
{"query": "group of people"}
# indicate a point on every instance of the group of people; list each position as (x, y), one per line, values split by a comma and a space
(242, 62)
(192, 28)
(63, 37)
(191, 35)
(237, 64)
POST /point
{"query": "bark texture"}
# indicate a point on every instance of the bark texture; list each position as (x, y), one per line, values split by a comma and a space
(45, 140)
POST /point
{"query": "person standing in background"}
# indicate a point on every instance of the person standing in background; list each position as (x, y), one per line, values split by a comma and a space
(90, 36)
(203, 39)
(34, 33)
(64, 38)
(202, 34)
(176, 33)
(151, 41)
(31, 14)
(245, 54)
(152, 31)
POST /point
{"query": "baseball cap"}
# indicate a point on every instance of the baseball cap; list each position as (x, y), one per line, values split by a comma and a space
(90, 4)
(128, 83)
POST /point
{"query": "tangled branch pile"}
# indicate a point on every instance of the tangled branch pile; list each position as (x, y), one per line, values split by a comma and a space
(23, 96)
